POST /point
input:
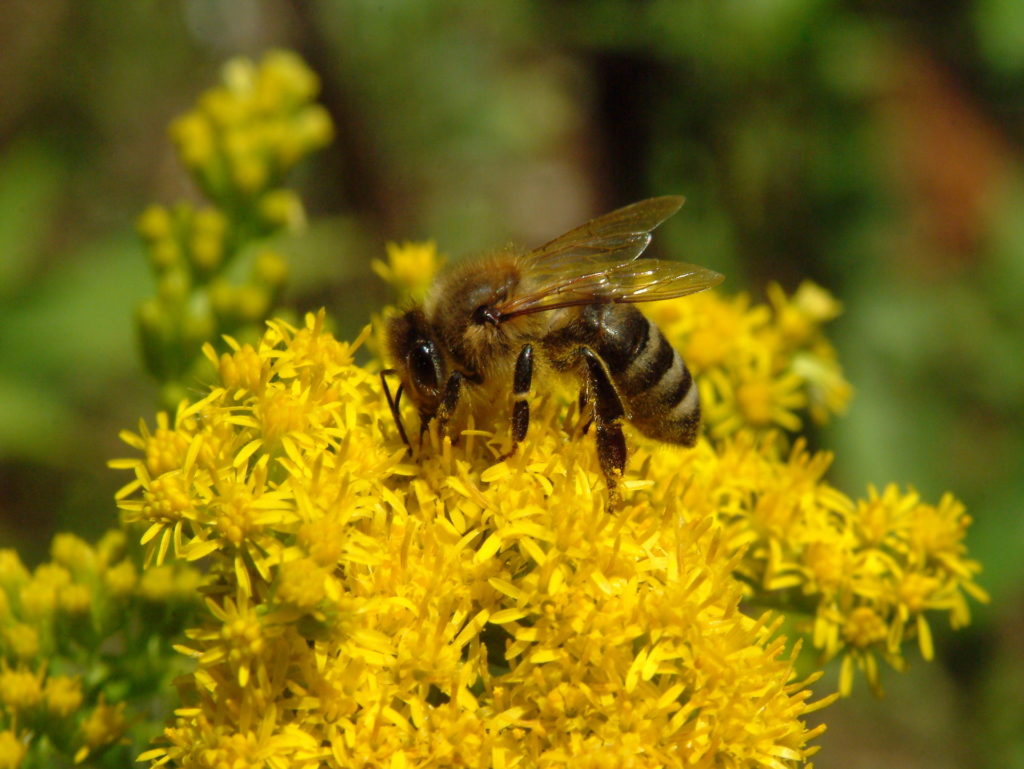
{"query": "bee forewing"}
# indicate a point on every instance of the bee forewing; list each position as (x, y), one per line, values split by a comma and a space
(641, 280)
(651, 280)
(583, 259)
(598, 263)
(615, 232)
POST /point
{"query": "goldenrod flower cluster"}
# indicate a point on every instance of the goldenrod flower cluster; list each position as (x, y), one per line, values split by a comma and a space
(369, 609)
(239, 142)
(78, 631)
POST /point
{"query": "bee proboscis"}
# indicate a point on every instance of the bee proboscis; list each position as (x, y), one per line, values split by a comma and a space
(566, 307)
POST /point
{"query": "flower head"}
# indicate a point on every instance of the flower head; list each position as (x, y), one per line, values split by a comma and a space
(410, 268)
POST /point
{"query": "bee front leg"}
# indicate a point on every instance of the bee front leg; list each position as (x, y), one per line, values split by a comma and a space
(393, 404)
(608, 410)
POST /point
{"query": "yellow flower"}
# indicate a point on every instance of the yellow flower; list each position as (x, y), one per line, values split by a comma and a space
(864, 627)
(162, 584)
(75, 599)
(756, 397)
(410, 268)
(239, 640)
(759, 366)
(22, 640)
(20, 689)
(165, 447)
(63, 695)
(283, 208)
(111, 547)
(800, 317)
(302, 583)
(103, 726)
(72, 552)
(121, 579)
(827, 391)
(12, 572)
(154, 224)
(38, 598)
(12, 749)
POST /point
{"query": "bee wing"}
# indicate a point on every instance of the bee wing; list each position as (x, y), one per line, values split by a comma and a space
(622, 234)
(612, 282)
(598, 263)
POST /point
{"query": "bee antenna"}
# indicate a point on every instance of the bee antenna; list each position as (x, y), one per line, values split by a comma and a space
(393, 404)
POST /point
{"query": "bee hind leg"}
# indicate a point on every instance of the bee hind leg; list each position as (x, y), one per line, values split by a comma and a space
(585, 419)
(608, 411)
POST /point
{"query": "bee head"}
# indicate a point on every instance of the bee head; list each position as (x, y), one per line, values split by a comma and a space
(418, 360)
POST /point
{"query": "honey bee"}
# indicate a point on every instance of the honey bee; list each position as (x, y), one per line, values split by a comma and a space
(565, 307)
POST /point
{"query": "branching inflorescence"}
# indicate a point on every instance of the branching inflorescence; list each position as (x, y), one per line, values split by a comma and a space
(462, 607)
(469, 611)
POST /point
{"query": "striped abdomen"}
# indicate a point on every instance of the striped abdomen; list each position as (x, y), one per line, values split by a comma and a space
(654, 384)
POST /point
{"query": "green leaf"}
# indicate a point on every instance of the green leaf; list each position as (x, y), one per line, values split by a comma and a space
(29, 179)
(76, 325)
(33, 421)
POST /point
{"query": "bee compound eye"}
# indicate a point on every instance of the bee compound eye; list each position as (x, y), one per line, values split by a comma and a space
(485, 314)
(424, 368)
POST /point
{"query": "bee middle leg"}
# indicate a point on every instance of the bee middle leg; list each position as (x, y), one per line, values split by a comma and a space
(522, 378)
(449, 400)
(608, 411)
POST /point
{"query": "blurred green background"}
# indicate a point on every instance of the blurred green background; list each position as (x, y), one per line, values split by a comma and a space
(872, 147)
